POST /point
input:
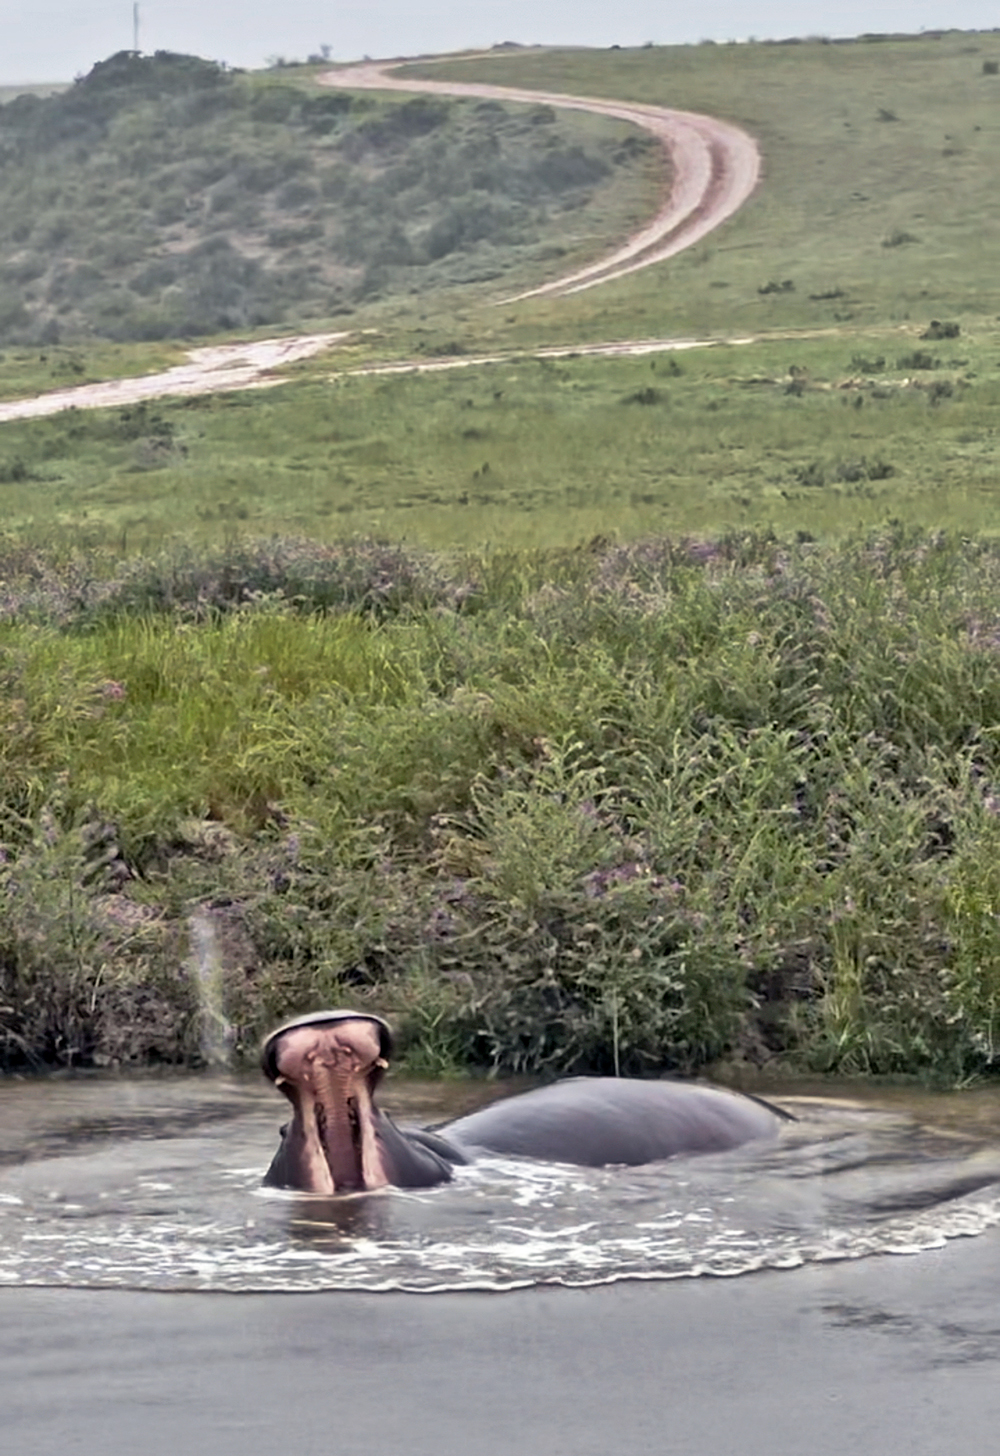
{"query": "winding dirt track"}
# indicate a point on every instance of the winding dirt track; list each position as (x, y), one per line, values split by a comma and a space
(714, 168)
(212, 370)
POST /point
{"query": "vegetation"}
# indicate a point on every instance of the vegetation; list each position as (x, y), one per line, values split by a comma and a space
(618, 807)
(722, 783)
(838, 183)
(820, 435)
(165, 197)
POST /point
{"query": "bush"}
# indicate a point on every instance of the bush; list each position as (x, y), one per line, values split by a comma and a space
(918, 359)
(144, 144)
(865, 365)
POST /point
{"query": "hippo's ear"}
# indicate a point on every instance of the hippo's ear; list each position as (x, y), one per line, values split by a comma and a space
(269, 1049)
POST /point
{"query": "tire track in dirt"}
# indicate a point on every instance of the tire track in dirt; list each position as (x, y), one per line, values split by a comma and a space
(715, 166)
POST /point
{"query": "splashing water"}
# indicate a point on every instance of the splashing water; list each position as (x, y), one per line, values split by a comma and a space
(216, 1034)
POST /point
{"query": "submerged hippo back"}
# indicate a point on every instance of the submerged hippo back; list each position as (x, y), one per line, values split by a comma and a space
(599, 1120)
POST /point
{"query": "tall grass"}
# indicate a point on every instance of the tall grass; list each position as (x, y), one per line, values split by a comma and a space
(618, 808)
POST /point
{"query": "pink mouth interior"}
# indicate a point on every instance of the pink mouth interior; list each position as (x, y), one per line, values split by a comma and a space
(327, 1072)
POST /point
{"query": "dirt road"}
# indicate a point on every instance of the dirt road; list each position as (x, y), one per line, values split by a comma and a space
(714, 166)
(207, 371)
(251, 366)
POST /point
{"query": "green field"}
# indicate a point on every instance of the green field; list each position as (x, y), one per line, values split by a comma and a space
(580, 713)
(844, 414)
(823, 435)
(863, 144)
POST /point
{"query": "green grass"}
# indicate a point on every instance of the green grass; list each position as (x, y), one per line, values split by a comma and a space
(839, 182)
(721, 782)
(763, 435)
(25, 371)
(810, 434)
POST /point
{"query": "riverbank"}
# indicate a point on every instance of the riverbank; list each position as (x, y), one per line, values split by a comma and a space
(621, 808)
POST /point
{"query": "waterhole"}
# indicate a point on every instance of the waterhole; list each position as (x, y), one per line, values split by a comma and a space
(155, 1184)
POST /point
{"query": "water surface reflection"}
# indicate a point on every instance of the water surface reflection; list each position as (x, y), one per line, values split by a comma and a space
(155, 1184)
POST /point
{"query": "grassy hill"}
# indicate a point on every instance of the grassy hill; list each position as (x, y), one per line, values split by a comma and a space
(863, 265)
(878, 202)
(165, 197)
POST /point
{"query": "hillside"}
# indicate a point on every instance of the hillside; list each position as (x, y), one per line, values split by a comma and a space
(878, 202)
(166, 197)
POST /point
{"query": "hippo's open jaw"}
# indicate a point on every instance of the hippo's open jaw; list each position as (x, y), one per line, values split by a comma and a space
(328, 1068)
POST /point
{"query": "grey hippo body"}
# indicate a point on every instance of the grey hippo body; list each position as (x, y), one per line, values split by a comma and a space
(338, 1141)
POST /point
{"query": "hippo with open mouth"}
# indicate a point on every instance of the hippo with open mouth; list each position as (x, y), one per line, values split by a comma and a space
(329, 1064)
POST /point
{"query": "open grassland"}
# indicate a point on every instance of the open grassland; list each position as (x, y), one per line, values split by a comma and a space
(723, 783)
(878, 203)
(862, 266)
(27, 371)
(803, 434)
(637, 807)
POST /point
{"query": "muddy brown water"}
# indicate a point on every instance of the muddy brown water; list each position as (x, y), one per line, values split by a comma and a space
(154, 1298)
(154, 1184)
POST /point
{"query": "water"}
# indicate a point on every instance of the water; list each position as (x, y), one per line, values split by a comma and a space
(155, 1184)
(216, 1032)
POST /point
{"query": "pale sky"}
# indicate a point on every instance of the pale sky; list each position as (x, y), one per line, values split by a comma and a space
(55, 40)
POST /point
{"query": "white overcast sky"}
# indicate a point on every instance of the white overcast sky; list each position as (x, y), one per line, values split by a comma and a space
(54, 40)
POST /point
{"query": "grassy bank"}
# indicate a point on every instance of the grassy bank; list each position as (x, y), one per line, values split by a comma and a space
(633, 807)
(723, 784)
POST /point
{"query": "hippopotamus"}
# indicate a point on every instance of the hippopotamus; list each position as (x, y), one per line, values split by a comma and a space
(329, 1064)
